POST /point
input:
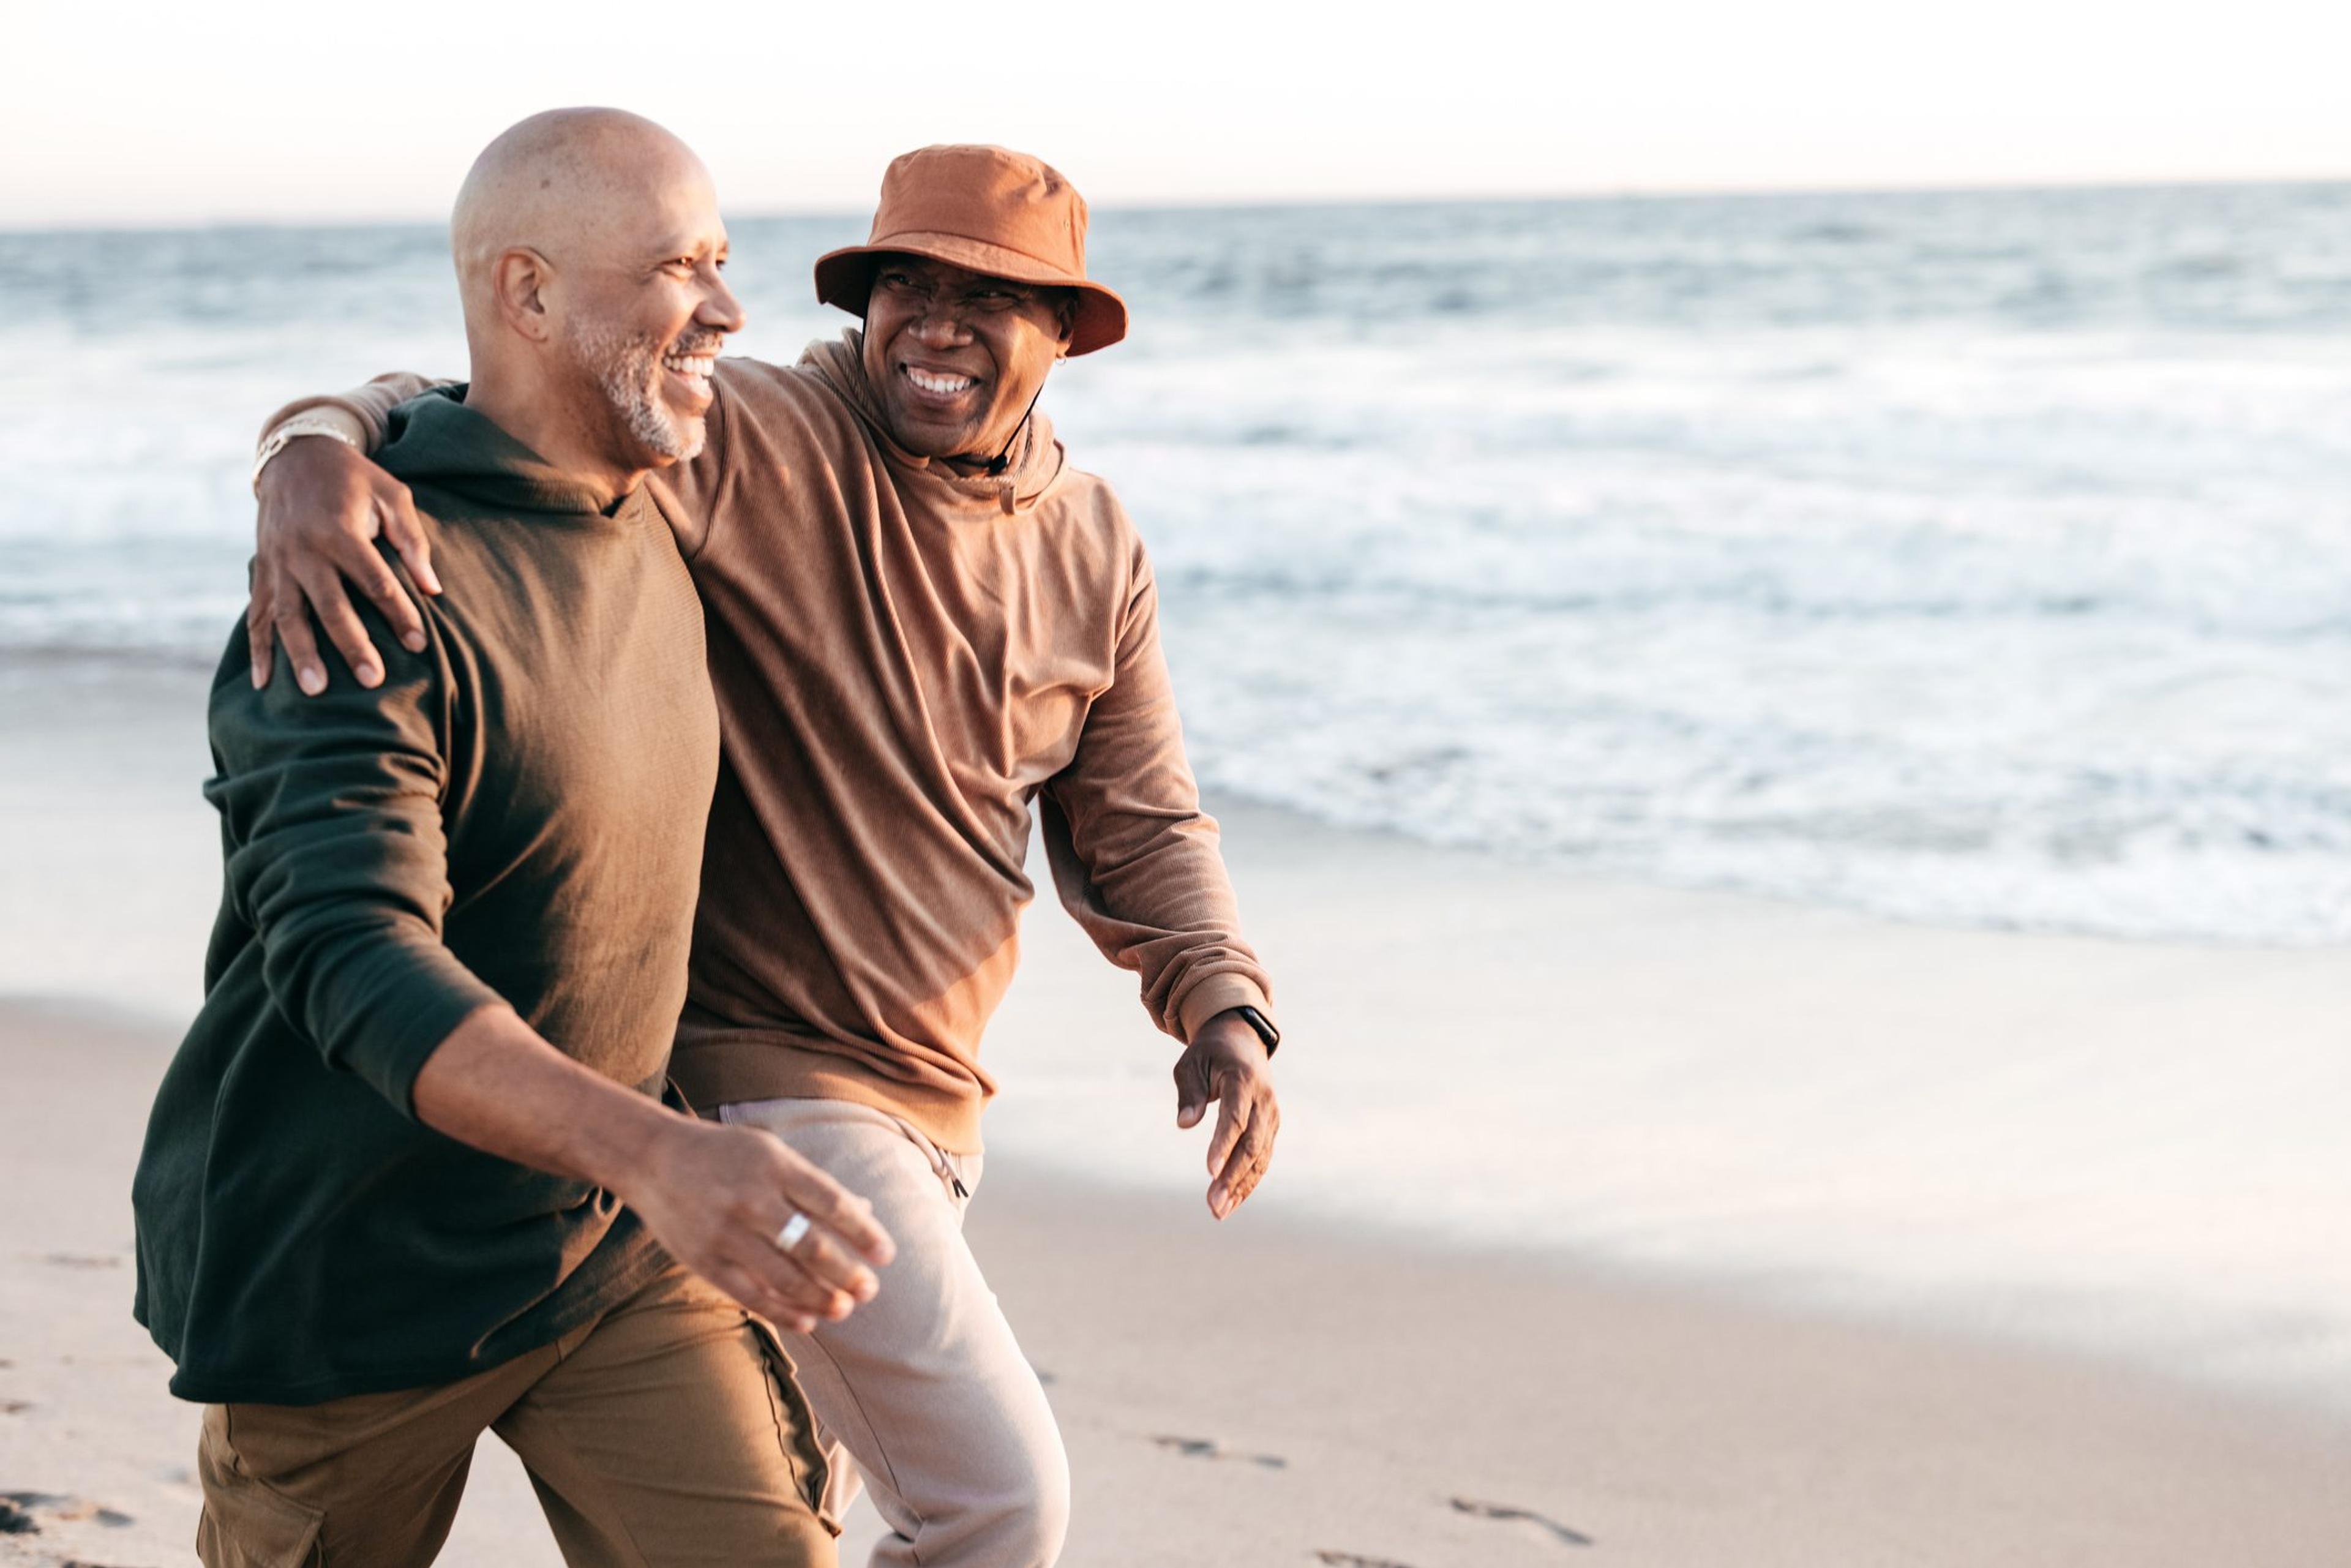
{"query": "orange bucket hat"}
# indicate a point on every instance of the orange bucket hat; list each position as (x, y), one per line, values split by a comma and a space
(987, 210)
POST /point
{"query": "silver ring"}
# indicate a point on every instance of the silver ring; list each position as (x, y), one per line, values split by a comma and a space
(794, 1228)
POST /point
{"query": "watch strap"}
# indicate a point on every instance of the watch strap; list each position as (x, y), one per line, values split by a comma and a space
(1262, 1025)
(292, 430)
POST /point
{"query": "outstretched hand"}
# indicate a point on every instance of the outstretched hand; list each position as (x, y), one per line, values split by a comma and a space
(323, 507)
(1226, 1064)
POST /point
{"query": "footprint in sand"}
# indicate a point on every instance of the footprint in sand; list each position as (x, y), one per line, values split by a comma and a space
(82, 1261)
(63, 1509)
(1510, 1513)
(1350, 1560)
(1209, 1449)
(15, 1406)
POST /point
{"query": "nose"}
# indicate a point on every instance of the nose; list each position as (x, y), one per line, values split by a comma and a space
(719, 311)
(940, 326)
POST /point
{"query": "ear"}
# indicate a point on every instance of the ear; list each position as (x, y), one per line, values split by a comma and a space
(1069, 321)
(519, 282)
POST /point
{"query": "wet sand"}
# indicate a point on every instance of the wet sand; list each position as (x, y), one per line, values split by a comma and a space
(1282, 1390)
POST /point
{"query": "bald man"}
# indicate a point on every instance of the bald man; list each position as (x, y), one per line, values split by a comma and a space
(412, 1175)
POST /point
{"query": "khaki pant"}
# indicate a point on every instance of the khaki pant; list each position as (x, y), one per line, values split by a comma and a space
(923, 1390)
(669, 1431)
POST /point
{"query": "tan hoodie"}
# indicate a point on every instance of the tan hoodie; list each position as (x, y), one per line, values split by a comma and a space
(904, 657)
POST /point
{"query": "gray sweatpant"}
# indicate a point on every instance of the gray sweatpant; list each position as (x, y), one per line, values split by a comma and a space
(923, 1391)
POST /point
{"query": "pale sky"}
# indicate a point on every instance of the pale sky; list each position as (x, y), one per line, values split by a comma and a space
(179, 113)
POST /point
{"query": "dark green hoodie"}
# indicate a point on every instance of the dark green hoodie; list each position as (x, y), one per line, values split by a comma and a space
(516, 813)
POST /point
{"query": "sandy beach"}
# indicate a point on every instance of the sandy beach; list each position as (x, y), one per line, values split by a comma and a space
(1374, 1365)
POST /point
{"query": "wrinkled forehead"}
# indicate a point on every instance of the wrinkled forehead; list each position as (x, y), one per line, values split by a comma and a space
(630, 213)
(677, 215)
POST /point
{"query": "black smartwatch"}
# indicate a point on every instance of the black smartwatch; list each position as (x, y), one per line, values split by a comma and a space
(1262, 1025)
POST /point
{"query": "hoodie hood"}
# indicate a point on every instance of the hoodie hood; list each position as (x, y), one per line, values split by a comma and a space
(436, 439)
(1037, 461)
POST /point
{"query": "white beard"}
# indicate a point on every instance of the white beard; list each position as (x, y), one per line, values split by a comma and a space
(628, 371)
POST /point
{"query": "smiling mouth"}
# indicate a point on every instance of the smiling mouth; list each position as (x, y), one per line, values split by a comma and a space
(692, 369)
(938, 385)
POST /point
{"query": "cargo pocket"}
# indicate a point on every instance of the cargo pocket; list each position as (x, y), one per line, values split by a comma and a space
(795, 1423)
(247, 1522)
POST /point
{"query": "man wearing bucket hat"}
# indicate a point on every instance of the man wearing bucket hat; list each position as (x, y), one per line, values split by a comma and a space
(922, 620)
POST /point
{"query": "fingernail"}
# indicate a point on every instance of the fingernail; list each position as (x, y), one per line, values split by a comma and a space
(260, 679)
(369, 675)
(414, 641)
(313, 679)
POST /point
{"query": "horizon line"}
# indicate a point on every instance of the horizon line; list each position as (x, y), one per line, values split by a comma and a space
(1253, 204)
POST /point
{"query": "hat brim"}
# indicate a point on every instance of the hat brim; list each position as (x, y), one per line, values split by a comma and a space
(845, 278)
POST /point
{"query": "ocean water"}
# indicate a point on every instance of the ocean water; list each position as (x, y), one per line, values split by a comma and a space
(1980, 558)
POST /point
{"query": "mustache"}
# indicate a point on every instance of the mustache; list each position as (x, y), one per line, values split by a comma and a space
(698, 342)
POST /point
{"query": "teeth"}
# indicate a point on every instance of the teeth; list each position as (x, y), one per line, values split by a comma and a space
(690, 364)
(943, 385)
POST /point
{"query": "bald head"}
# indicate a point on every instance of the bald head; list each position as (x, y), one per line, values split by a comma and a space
(562, 183)
(589, 245)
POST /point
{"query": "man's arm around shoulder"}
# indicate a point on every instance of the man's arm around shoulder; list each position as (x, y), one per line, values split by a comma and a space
(338, 859)
(324, 503)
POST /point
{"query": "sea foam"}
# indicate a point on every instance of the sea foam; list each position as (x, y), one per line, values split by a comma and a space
(1970, 558)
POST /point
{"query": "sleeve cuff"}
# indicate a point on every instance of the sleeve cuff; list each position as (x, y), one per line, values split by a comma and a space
(368, 404)
(393, 1014)
(1215, 995)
